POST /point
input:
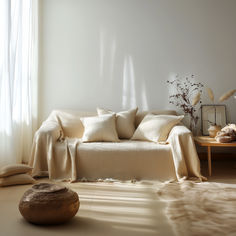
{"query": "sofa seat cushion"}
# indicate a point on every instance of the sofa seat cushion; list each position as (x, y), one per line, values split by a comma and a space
(128, 159)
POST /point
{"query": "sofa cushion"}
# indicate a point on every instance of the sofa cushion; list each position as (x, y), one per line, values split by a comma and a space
(100, 128)
(125, 121)
(141, 114)
(72, 126)
(128, 159)
(156, 128)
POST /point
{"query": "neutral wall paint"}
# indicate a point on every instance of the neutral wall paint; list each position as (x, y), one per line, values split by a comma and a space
(119, 53)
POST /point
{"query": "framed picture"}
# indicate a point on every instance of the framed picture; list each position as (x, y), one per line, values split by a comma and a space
(212, 114)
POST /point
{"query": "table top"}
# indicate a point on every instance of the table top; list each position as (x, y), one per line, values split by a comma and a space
(208, 141)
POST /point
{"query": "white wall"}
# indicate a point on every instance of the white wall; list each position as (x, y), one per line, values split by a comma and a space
(119, 53)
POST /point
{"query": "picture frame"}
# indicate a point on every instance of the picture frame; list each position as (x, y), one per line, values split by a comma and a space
(212, 114)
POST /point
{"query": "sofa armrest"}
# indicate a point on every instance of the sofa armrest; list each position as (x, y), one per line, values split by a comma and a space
(42, 147)
(179, 130)
(185, 157)
(52, 129)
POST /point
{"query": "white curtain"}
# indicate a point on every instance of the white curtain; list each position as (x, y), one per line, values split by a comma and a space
(17, 79)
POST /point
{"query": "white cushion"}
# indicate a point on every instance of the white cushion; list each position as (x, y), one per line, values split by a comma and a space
(141, 114)
(125, 121)
(14, 169)
(16, 179)
(100, 128)
(156, 128)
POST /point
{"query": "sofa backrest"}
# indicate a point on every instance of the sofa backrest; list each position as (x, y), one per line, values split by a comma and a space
(70, 121)
(72, 126)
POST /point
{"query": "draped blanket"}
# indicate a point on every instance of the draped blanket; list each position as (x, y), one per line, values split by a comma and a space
(185, 157)
(63, 167)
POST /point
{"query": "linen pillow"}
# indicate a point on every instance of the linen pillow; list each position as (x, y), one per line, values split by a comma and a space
(125, 121)
(14, 169)
(141, 114)
(156, 128)
(16, 179)
(100, 128)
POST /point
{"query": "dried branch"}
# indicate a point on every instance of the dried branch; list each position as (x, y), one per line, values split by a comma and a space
(210, 94)
(187, 96)
(227, 95)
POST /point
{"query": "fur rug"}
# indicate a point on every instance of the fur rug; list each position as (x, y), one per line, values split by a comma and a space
(200, 209)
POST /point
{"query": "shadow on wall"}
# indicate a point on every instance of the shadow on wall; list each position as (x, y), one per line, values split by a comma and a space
(133, 90)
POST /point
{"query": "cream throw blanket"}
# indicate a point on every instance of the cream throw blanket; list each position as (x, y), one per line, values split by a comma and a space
(44, 162)
(185, 157)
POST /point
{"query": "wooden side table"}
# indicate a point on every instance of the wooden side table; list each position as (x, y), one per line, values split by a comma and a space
(206, 141)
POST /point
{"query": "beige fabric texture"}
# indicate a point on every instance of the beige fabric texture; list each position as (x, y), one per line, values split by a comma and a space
(16, 179)
(100, 128)
(184, 153)
(14, 169)
(72, 127)
(124, 160)
(156, 128)
(141, 114)
(70, 122)
(63, 158)
(125, 121)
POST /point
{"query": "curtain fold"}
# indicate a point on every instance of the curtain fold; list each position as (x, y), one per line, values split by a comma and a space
(17, 79)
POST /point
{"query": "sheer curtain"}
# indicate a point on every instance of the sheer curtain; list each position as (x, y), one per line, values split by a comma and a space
(17, 79)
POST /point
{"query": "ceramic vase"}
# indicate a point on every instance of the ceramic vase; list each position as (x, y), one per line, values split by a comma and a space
(213, 129)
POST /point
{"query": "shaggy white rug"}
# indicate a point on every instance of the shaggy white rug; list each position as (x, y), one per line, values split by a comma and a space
(200, 209)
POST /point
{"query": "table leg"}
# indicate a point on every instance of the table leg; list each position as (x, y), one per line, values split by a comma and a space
(209, 159)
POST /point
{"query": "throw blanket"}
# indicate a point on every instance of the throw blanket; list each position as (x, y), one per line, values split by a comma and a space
(42, 158)
(44, 162)
(185, 157)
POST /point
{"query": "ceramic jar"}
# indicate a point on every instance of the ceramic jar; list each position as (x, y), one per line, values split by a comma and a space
(213, 129)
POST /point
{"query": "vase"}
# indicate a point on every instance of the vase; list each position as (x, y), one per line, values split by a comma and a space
(213, 129)
(193, 126)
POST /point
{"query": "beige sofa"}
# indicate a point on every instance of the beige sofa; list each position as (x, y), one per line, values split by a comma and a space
(57, 152)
